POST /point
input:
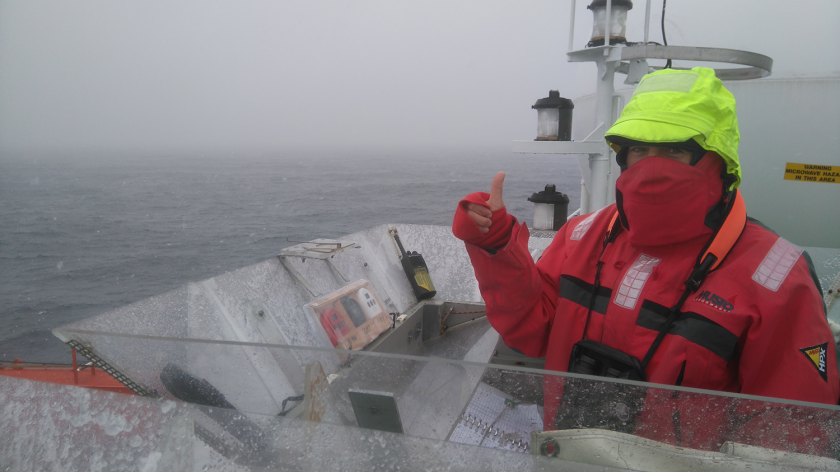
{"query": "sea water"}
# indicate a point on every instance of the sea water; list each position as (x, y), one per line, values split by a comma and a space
(81, 234)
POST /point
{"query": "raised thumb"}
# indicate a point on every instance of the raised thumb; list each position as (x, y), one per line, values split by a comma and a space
(496, 200)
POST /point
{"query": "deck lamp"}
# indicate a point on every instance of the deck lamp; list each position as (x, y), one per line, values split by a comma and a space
(618, 21)
(554, 117)
(550, 208)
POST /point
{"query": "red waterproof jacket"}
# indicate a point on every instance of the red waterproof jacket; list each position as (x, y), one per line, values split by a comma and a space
(756, 326)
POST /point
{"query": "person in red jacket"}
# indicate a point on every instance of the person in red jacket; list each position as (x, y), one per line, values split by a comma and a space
(627, 291)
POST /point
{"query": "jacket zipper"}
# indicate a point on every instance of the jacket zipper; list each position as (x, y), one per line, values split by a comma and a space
(680, 377)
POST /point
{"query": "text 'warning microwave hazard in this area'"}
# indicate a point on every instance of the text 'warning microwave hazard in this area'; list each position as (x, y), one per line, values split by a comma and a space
(812, 173)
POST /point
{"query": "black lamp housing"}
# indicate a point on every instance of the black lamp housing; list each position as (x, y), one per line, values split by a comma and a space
(554, 117)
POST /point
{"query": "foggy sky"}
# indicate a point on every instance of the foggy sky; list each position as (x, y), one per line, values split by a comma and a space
(209, 76)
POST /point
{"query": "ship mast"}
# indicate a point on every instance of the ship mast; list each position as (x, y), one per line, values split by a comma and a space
(617, 55)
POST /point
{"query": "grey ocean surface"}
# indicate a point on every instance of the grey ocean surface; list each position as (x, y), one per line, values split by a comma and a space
(82, 234)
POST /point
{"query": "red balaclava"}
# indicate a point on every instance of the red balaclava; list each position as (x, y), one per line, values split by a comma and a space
(662, 201)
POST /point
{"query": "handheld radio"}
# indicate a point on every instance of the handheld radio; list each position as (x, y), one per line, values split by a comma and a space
(415, 269)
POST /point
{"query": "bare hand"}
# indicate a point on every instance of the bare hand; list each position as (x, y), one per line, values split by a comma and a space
(481, 215)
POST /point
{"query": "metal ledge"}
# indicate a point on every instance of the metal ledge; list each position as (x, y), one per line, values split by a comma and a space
(317, 248)
(559, 147)
(757, 65)
(593, 54)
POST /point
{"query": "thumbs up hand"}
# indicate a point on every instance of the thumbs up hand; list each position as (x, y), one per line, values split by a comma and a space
(482, 215)
(481, 218)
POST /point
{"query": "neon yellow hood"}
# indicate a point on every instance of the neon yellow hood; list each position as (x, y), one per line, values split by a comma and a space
(671, 106)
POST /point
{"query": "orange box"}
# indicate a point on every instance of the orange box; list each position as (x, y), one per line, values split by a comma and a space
(352, 316)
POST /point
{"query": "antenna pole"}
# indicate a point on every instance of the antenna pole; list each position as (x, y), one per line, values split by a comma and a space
(572, 28)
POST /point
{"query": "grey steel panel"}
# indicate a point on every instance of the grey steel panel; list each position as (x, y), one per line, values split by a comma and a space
(376, 410)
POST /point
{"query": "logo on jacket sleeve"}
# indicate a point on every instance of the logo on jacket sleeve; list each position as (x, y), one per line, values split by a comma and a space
(816, 354)
(714, 300)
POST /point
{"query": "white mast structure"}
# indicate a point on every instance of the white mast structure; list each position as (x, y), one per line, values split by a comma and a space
(632, 61)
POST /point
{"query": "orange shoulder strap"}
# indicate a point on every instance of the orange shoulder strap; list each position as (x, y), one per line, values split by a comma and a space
(612, 222)
(729, 232)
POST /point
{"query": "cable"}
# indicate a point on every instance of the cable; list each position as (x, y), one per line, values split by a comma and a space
(665, 41)
(283, 411)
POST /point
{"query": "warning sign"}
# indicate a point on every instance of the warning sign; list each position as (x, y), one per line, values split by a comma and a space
(812, 173)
